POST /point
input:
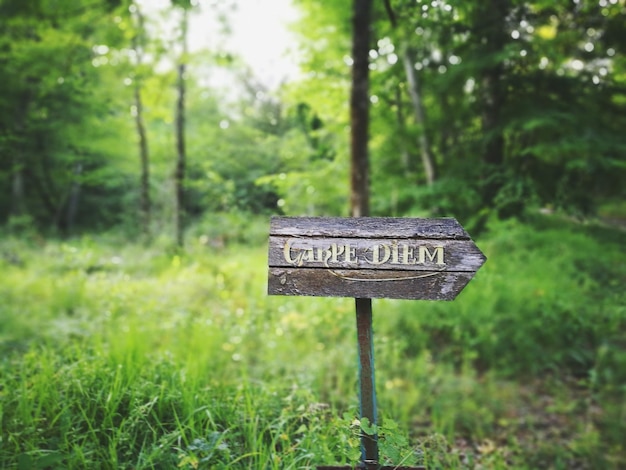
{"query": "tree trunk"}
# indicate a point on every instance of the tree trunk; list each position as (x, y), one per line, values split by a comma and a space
(449, 137)
(17, 190)
(359, 109)
(490, 22)
(405, 155)
(18, 205)
(428, 161)
(179, 174)
(418, 110)
(74, 198)
(144, 157)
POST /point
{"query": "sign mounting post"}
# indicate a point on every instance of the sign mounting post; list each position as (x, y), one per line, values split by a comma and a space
(366, 258)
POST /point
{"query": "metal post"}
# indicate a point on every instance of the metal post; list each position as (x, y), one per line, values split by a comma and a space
(367, 385)
(367, 393)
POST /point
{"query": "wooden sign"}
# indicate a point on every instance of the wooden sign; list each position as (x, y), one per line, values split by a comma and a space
(369, 257)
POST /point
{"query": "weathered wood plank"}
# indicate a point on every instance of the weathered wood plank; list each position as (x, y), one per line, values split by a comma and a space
(375, 253)
(369, 257)
(368, 227)
(424, 285)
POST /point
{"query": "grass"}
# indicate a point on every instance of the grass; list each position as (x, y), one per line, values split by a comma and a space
(118, 356)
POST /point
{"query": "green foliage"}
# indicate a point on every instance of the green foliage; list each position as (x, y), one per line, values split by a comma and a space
(540, 78)
(522, 107)
(543, 330)
(120, 356)
(139, 357)
(55, 116)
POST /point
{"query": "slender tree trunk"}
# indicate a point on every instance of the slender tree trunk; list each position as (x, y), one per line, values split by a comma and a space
(18, 205)
(405, 155)
(179, 173)
(145, 205)
(449, 135)
(491, 22)
(420, 116)
(428, 160)
(359, 109)
(144, 199)
(17, 189)
(74, 198)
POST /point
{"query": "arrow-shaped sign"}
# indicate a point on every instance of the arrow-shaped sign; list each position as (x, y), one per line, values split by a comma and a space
(370, 257)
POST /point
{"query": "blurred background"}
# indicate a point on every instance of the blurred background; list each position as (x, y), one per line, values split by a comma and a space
(144, 146)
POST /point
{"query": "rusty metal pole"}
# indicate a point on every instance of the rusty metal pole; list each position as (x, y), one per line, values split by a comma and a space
(367, 383)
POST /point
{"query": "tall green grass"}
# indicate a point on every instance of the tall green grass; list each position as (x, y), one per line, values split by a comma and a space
(114, 355)
(548, 299)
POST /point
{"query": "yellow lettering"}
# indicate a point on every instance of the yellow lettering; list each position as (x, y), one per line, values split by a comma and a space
(350, 254)
(287, 253)
(377, 258)
(335, 251)
(407, 255)
(323, 255)
(297, 257)
(306, 255)
(424, 253)
(394, 252)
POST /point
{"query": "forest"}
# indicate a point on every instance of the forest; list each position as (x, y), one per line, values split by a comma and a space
(139, 172)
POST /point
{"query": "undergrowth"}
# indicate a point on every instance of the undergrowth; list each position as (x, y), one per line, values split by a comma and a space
(114, 355)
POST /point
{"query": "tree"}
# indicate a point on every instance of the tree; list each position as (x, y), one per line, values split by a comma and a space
(50, 103)
(489, 24)
(413, 87)
(359, 109)
(181, 156)
(138, 46)
(505, 88)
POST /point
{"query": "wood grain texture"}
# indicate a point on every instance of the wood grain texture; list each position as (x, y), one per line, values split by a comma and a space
(367, 283)
(370, 257)
(459, 255)
(368, 227)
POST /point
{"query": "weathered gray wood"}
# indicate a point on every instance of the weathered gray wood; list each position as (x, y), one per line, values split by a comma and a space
(368, 257)
(375, 253)
(368, 227)
(426, 285)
